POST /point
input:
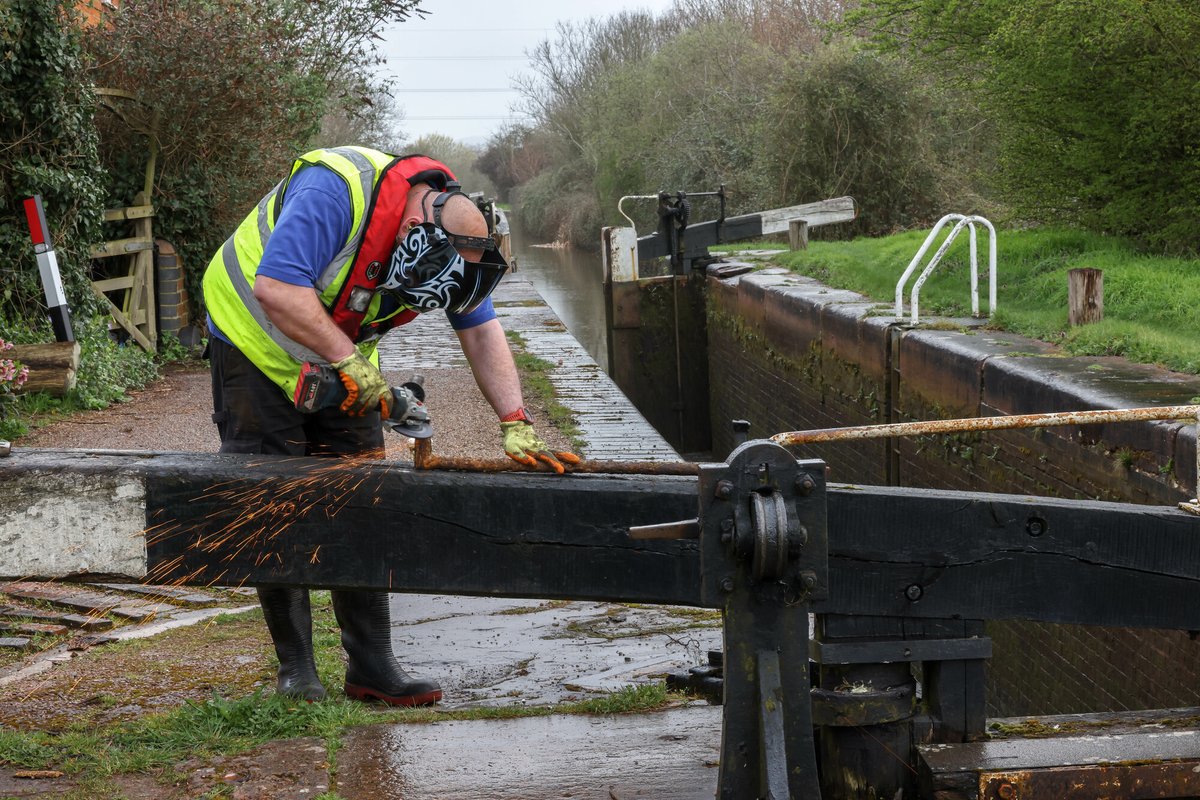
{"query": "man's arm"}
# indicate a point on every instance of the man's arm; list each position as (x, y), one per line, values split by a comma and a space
(486, 348)
(299, 315)
(492, 364)
(312, 227)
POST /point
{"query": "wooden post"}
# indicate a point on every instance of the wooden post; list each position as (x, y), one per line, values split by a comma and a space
(798, 234)
(1085, 296)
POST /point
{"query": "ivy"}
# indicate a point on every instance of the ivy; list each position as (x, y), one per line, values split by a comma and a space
(236, 91)
(48, 146)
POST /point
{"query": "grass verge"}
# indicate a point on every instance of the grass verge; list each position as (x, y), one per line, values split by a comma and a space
(1151, 303)
(220, 726)
(535, 377)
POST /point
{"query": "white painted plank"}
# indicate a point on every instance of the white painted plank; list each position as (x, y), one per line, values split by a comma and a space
(54, 525)
(825, 212)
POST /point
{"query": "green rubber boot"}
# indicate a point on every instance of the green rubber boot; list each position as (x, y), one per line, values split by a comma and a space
(289, 619)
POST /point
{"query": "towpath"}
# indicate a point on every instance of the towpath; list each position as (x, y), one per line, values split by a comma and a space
(485, 652)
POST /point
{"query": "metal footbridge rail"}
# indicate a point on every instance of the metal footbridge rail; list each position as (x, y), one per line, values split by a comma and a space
(894, 575)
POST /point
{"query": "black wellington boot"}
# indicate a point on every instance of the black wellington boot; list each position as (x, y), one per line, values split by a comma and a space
(372, 672)
(289, 619)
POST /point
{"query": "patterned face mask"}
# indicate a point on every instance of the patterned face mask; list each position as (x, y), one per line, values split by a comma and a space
(426, 272)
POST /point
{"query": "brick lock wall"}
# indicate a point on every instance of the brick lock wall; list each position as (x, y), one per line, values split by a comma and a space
(92, 11)
(780, 379)
(787, 353)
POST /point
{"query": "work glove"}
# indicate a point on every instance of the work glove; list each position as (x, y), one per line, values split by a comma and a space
(522, 444)
(365, 386)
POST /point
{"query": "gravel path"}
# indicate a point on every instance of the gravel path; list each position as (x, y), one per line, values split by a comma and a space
(174, 413)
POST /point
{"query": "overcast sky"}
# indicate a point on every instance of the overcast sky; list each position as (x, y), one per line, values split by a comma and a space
(454, 69)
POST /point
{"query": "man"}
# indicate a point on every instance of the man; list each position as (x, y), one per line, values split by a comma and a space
(351, 244)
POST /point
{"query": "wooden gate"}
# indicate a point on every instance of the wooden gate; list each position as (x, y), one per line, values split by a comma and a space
(123, 268)
(124, 274)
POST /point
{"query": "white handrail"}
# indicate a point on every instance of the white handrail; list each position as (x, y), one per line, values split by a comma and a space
(963, 220)
(621, 211)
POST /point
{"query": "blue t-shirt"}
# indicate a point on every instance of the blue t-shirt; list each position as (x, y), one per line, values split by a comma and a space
(311, 229)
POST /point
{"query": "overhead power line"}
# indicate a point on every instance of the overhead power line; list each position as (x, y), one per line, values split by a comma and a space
(439, 91)
(464, 116)
(482, 30)
(456, 58)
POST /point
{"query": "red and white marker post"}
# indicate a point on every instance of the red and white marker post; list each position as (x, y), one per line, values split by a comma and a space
(56, 297)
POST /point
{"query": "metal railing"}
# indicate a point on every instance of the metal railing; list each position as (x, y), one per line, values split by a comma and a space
(973, 424)
(963, 221)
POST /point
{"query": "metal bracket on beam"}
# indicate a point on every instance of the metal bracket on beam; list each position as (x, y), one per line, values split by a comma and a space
(764, 559)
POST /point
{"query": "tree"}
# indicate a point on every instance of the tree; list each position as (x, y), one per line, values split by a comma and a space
(456, 155)
(1093, 102)
(240, 88)
(377, 125)
(512, 157)
(844, 121)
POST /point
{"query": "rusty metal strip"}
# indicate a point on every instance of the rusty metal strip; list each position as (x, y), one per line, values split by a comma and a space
(985, 424)
(1015, 421)
(1090, 781)
(424, 458)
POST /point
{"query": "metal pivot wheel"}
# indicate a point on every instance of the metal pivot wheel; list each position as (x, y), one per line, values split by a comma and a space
(775, 539)
(769, 523)
(768, 493)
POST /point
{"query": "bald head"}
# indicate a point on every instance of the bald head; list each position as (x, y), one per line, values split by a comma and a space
(460, 216)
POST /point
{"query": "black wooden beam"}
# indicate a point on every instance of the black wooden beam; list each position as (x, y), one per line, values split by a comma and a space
(897, 552)
(376, 526)
(697, 238)
(922, 553)
(260, 520)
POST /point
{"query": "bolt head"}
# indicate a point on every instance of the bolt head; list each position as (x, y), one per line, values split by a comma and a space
(914, 592)
(727, 584)
(805, 484)
(724, 490)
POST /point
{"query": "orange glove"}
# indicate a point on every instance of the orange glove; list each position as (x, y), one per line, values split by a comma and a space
(365, 386)
(522, 444)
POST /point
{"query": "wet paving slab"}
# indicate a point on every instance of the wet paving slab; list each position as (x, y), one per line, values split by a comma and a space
(490, 653)
(669, 755)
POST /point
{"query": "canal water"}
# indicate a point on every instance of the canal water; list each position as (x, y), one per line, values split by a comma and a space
(572, 282)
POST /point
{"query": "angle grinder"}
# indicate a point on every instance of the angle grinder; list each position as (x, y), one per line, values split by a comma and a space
(320, 387)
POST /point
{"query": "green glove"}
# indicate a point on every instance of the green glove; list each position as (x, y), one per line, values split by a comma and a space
(522, 444)
(365, 386)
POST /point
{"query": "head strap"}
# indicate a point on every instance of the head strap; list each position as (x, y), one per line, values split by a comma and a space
(458, 240)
